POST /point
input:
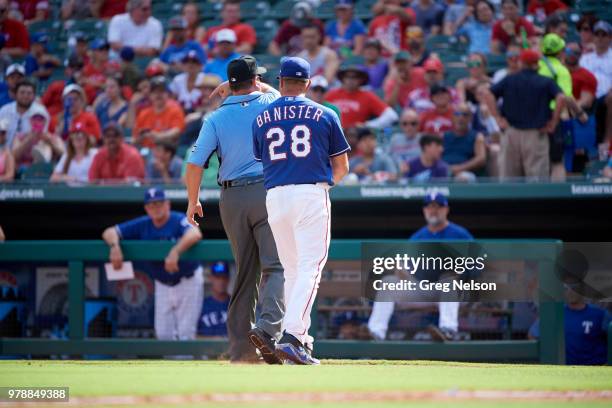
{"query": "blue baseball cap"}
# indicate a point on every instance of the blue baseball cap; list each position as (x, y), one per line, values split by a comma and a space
(40, 37)
(344, 3)
(99, 44)
(295, 67)
(435, 197)
(219, 268)
(154, 194)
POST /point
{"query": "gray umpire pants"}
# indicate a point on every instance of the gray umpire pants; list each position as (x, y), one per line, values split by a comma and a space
(245, 219)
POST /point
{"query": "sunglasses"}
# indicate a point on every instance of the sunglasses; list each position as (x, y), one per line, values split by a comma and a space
(600, 34)
(474, 64)
(459, 113)
(410, 122)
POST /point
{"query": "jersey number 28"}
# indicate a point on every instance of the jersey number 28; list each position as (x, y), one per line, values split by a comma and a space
(300, 142)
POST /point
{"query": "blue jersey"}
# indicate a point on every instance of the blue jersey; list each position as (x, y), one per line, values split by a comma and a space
(294, 138)
(451, 232)
(142, 228)
(214, 317)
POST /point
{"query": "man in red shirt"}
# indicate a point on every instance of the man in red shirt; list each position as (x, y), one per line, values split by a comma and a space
(78, 118)
(508, 30)
(403, 79)
(116, 160)
(420, 98)
(357, 106)
(389, 27)
(439, 119)
(16, 37)
(288, 39)
(230, 18)
(99, 66)
(584, 83)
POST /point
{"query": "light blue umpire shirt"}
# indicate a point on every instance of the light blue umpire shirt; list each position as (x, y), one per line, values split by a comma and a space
(228, 131)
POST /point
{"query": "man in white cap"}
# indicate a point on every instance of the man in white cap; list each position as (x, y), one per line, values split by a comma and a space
(17, 114)
(14, 73)
(225, 52)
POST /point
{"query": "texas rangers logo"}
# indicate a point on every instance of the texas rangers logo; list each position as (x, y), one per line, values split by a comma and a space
(135, 295)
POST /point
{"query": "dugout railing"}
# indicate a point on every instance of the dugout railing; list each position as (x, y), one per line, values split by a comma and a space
(548, 349)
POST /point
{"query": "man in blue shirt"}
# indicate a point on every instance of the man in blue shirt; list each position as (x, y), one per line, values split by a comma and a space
(586, 331)
(181, 45)
(225, 40)
(304, 152)
(214, 310)
(438, 228)
(179, 285)
(243, 208)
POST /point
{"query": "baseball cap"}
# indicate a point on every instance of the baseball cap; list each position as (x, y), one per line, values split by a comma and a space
(192, 56)
(294, 67)
(602, 25)
(159, 82)
(177, 23)
(112, 127)
(154, 194)
(219, 268)
(244, 68)
(154, 69)
(80, 36)
(319, 81)
(15, 68)
(402, 56)
(435, 197)
(373, 42)
(99, 44)
(529, 56)
(438, 88)
(344, 3)
(433, 64)
(301, 14)
(226, 35)
(74, 88)
(40, 37)
(127, 53)
(552, 44)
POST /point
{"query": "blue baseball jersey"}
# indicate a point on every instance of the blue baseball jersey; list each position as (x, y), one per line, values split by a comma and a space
(214, 317)
(142, 228)
(451, 232)
(294, 139)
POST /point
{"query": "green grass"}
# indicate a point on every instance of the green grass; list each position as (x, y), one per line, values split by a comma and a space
(87, 378)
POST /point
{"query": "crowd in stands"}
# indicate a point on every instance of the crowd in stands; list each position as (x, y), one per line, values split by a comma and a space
(426, 90)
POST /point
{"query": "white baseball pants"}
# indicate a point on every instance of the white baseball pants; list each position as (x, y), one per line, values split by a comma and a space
(299, 216)
(178, 307)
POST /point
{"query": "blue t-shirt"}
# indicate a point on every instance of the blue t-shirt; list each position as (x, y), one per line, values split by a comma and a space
(175, 54)
(458, 149)
(294, 138)
(585, 335)
(479, 35)
(450, 233)
(419, 173)
(218, 66)
(227, 131)
(213, 319)
(142, 228)
(347, 39)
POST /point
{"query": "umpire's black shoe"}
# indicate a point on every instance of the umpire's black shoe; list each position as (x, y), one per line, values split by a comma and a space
(265, 344)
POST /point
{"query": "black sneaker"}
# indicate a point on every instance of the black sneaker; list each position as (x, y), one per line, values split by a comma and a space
(441, 334)
(265, 344)
(291, 349)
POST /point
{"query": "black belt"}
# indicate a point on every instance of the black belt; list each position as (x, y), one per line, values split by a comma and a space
(244, 181)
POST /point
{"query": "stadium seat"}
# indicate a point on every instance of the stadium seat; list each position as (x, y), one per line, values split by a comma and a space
(38, 171)
(326, 10)
(210, 11)
(254, 9)
(266, 30)
(282, 9)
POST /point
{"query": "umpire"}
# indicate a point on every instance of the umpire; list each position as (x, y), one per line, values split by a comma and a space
(243, 208)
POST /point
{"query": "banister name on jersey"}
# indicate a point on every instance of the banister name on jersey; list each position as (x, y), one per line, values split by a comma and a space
(294, 138)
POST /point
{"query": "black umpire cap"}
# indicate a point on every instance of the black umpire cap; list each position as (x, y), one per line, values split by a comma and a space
(243, 69)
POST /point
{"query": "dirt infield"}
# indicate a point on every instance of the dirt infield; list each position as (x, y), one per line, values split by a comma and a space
(335, 397)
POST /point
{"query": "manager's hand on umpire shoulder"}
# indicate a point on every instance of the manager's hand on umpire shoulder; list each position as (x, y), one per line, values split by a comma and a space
(192, 210)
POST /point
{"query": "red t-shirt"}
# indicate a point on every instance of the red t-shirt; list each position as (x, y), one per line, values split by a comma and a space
(111, 8)
(501, 35)
(15, 34)
(88, 123)
(390, 29)
(356, 107)
(583, 80)
(436, 123)
(417, 80)
(127, 164)
(99, 74)
(244, 33)
(289, 34)
(548, 6)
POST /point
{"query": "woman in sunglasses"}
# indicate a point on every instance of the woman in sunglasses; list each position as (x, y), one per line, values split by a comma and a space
(477, 67)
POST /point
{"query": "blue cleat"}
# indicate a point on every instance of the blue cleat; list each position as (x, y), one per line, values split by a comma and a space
(290, 349)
